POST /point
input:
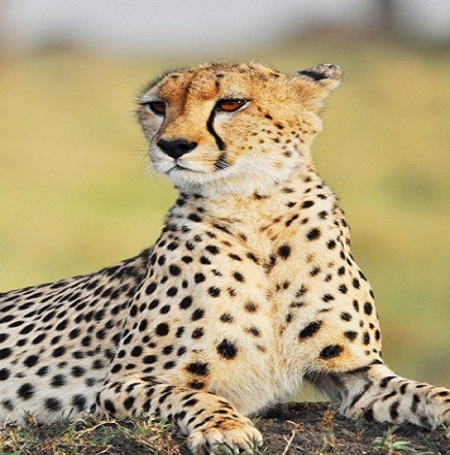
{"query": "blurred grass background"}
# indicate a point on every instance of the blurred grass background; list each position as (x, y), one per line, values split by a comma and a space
(75, 193)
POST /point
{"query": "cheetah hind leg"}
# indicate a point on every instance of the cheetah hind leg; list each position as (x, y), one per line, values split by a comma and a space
(377, 393)
(208, 420)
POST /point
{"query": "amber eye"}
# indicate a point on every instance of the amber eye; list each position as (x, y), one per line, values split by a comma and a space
(230, 105)
(157, 107)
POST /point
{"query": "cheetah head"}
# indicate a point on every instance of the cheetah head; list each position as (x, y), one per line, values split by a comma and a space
(233, 127)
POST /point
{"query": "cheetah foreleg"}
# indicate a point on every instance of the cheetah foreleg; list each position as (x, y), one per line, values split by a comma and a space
(206, 419)
(380, 394)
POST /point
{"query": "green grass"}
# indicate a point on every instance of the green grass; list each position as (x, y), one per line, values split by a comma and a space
(75, 194)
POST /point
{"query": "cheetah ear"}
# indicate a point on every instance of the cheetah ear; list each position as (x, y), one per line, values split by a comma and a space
(316, 83)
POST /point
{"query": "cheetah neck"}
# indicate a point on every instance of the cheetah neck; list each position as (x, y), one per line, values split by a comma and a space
(245, 213)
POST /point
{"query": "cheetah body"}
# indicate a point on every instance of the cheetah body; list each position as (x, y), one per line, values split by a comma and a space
(250, 289)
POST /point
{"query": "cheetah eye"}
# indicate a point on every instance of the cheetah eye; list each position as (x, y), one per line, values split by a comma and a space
(157, 107)
(230, 105)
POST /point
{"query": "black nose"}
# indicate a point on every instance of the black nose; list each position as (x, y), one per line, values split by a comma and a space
(176, 147)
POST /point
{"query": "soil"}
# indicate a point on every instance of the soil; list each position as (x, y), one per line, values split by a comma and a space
(315, 428)
(288, 429)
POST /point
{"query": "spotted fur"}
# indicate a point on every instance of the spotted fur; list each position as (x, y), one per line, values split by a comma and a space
(250, 289)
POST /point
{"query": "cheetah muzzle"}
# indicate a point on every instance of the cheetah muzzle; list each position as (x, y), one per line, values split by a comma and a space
(250, 288)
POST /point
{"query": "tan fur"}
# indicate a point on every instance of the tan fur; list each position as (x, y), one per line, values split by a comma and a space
(250, 289)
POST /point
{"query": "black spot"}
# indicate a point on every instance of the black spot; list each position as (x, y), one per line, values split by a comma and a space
(174, 270)
(252, 257)
(42, 371)
(172, 291)
(327, 298)
(199, 277)
(366, 338)
(136, 351)
(5, 353)
(165, 309)
(385, 381)
(194, 217)
(79, 402)
(186, 303)
(31, 361)
(227, 349)
(150, 289)
(58, 380)
(214, 291)
(162, 260)
(331, 351)
(368, 308)
(343, 288)
(331, 244)
(355, 283)
(191, 403)
(149, 359)
(162, 329)
(212, 249)
(307, 204)
(341, 271)
(198, 368)
(74, 333)
(310, 330)
(197, 333)
(196, 384)
(53, 404)
(284, 251)
(238, 277)
(351, 335)
(169, 365)
(291, 220)
(4, 374)
(226, 317)
(109, 406)
(28, 328)
(58, 352)
(313, 234)
(197, 314)
(25, 391)
(393, 410)
(251, 307)
(346, 316)
(254, 331)
(143, 325)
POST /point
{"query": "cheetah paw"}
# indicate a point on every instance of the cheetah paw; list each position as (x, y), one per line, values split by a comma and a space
(236, 436)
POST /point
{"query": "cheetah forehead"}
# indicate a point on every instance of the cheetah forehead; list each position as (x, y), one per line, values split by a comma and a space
(217, 79)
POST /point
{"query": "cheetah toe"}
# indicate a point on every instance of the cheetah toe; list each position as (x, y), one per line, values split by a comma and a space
(235, 435)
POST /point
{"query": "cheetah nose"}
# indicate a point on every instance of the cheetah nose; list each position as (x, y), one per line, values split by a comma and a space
(176, 147)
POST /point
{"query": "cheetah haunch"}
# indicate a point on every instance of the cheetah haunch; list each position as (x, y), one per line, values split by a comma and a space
(250, 289)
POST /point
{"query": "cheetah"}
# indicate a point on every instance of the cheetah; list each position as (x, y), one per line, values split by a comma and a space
(250, 289)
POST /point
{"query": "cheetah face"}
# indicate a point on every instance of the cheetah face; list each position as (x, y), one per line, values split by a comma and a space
(227, 125)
